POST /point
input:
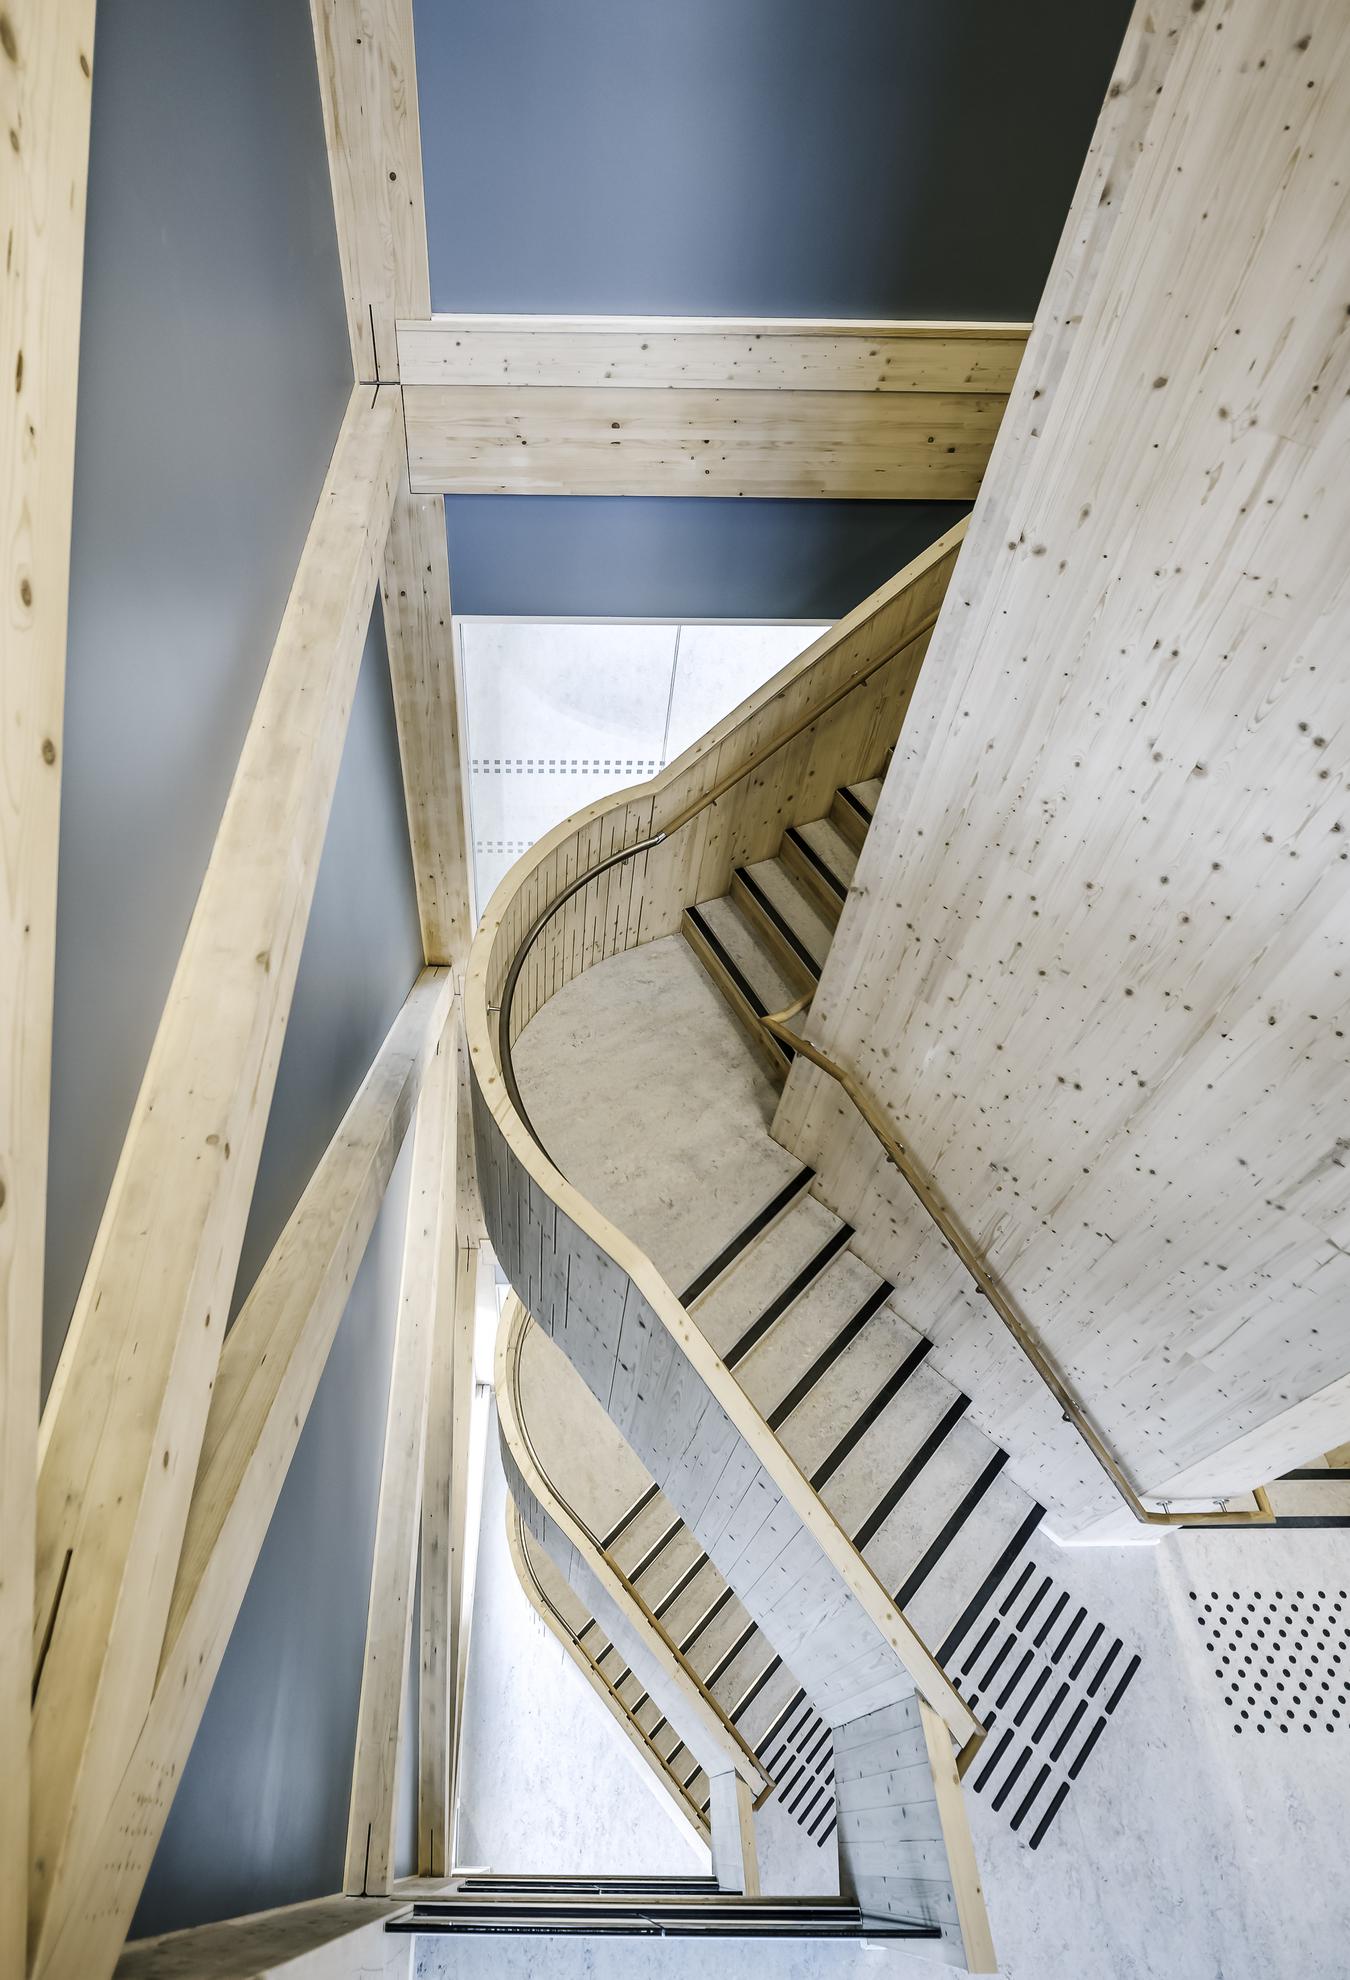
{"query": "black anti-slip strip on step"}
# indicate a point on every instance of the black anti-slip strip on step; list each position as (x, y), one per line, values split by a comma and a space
(826, 1359)
(920, 1573)
(1017, 1587)
(709, 1615)
(728, 1657)
(827, 873)
(1087, 1649)
(690, 1574)
(654, 1553)
(786, 931)
(755, 1332)
(966, 1620)
(1069, 1730)
(1051, 1620)
(638, 1506)
(986, 1773)
(776, 1728)
(745, 1238)
(732, 968)
(859, 1428)
(855, 803)
(774, 1664)
(1025, 1707)
(882, 1511)
(980, 1643)
(1025, 1619)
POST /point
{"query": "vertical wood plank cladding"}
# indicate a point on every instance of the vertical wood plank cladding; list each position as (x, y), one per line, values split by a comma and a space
(269, 1370)
(561, 440)
(46, 61)
(122, 1433)
(691, 352)
(1096, 972)
(368, 83)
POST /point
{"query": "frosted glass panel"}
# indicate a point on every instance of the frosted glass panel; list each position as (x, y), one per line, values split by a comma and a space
(560, 714)
(718, 666)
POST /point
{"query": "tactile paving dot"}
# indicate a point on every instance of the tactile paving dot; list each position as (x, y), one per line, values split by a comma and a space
(1281, 1654)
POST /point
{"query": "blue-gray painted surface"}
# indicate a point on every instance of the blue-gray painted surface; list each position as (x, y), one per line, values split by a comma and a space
(617, 557)
(755, 157)
(214, 371)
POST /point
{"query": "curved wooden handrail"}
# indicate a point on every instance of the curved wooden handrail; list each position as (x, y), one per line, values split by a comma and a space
(703, 1706)
(542, 1603)
(834, 682)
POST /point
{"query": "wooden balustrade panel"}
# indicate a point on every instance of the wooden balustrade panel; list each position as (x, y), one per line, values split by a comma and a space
(851, 689)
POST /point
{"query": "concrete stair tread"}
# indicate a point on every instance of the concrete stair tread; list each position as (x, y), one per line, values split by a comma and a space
(656, 1581)
(771, 985)
(825, 838)
(888, 1446)
(794, 1342)
(785, 893)
(846, 1388)
(763, 1271)
(930, 1501)
(727, 1625)
(957, 1576)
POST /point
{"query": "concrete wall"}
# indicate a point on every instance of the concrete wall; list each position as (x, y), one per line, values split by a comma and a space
(214, 371)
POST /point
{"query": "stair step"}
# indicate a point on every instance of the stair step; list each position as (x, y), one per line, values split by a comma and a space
(744, 972)
(762, 1273)
(806, 1331)
(974, 1551)
(952, 1469)
(854, 808)
(847, 1388)
(786, 917)
(823, 861)
(858, 1487)
(1325, 1495)
(832, 849)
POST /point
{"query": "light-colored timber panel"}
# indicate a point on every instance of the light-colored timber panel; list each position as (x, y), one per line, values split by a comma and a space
(562, 440)
(333, 1938)
(122, 1433)
(415, 589)
(711, 354)
(1110, 1018)
(839, 704)
(561, 1612)
(666, 1674)
(449, 1322)
(269, 1370)
(46, 63)
(429, 1247)
(368, 84)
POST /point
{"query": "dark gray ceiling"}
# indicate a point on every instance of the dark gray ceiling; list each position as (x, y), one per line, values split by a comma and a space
(761, 157)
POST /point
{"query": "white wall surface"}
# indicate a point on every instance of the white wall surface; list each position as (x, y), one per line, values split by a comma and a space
(549, 1782)
(560, 712)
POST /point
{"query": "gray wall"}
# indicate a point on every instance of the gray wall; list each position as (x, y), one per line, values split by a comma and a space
(755, 157)
(214, 370)
(613, 557)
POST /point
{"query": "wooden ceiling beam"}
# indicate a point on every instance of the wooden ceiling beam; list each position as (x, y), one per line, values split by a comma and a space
(769, 407)
(46, 63)
(269, 1371)
(122, 1433)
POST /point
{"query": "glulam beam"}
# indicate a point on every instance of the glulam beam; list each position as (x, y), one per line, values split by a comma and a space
(428, 1255)
(269, 1372)
(122, 1433)
(46, 65)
